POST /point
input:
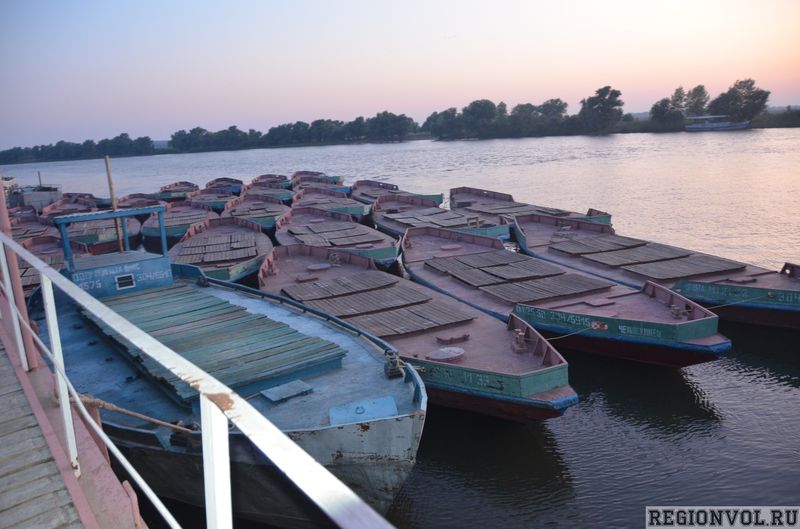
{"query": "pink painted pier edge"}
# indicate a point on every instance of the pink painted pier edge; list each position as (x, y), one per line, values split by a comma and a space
(99, 498)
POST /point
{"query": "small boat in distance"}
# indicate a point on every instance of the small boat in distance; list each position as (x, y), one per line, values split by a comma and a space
(317, 227)
(229, 249)
(277, 180)
(215, 199)
(393, 214)
(467, 359)
(100, 202)
(138, 200)
(69, 206)
(276, 191)
(585, 313)
(367, 191)
(492, 207)
(264, 211)
(232, 185)
(100, 235)
(178, 217)
(48, 249)
(330, 200)
(733, 290)
(712, 123)
(176, 190)
(26, 224)
(302, 179)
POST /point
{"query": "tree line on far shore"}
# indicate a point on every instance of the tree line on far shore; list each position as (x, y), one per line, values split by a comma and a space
(122, 145)
(600, 113)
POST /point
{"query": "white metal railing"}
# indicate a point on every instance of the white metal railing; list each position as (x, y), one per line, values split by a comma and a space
(218, 405)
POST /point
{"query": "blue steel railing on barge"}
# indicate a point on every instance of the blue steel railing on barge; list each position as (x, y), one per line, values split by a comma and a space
(218, 403)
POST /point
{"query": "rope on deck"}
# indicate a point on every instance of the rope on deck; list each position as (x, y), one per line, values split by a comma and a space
(567, 335)
(98, 403)
(736, 302)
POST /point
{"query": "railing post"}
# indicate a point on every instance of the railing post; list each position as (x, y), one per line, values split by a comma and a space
(216, 465)
(9, 292)
(58, 364)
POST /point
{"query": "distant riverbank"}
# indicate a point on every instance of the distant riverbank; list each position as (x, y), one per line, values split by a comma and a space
(767, 120)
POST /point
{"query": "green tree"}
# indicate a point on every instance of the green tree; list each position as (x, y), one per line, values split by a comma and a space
(478, 118)
(601, 111)
(665, 113)
(447, 125)
(678, 100)
(696, 101)
(355, 130)
(553, 110)
(500, 127)
(742, 102)
(523, 120)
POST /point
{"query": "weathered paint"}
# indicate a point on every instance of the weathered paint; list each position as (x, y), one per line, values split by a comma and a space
(459, 378)
(500, 231)
(238, 271)
(385, 255)
(614, 327)
(719, 293)
(98, 275)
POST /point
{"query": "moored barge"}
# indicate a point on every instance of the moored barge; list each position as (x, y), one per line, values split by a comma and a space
(733, 290)
(466, 358)
(176, 191)
(650, 325)
(330, 200)
(229, 249)
(178, 217)
(367, 191)
(316, 227)
(343, 398)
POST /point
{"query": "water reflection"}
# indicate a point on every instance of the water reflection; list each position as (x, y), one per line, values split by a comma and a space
(650, 396)
(476, 471)
(762, 353)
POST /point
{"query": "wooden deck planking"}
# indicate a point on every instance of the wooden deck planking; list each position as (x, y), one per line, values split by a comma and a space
(340, 286)
(446, 264)
(411, 319)
(605, 243)
(648, 253)
(527, 271)
(32, 491)
(312, 239)
(230, 343)
(370, 301)
(695, 264)
(476, 277)
(331, 226)
(493, 258)
(547, 287)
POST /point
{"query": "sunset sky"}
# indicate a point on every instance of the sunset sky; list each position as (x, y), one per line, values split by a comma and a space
(79, 69)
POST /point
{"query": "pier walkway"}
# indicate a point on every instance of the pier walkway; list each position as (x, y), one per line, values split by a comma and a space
(32, 491)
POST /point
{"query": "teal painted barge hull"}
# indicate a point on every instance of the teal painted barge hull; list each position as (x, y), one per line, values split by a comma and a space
(496, 394)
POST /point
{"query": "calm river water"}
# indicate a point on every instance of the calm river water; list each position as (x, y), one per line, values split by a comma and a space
(723, 433)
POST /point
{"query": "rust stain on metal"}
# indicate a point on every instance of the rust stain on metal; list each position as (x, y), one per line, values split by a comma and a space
(222, 400)
(364, 426)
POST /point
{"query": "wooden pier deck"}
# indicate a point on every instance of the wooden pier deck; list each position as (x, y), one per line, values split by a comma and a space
(32, 491)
